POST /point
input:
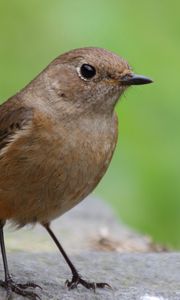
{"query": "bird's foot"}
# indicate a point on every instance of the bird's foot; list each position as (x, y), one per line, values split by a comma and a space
(76, 280)
(19, 289)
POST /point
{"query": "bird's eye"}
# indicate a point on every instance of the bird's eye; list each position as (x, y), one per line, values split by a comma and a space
(87, 71)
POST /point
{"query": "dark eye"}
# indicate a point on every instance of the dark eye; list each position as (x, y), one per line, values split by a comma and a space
(87, 71)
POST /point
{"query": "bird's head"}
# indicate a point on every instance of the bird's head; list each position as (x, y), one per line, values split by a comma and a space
(90, 79)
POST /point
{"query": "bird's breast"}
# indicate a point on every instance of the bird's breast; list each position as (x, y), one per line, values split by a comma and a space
(52, 168)
(87, 152)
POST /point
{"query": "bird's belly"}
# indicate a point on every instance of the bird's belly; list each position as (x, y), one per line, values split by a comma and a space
(46, 192)
(81, 176)
(41, 182)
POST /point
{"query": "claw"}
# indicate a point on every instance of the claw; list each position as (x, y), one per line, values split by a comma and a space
(76, 280)
(19, 289)
(103, 285)
(29, 284)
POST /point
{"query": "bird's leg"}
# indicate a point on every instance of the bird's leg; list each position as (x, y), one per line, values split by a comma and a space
(8, 282)
(76, 278)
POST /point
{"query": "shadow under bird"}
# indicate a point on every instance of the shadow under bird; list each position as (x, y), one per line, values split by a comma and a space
(57, 138)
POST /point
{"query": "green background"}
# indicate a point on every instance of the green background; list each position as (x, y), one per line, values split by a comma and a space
(142, 182)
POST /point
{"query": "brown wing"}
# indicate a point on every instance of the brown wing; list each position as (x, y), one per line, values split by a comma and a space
(12, 119)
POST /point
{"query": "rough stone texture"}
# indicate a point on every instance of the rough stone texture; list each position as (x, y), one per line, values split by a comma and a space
(132, 276)
(93, 237)
(91, 225)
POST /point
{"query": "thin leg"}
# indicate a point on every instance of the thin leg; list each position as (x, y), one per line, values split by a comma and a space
(8, 282)
(76, 278)
(3, 251)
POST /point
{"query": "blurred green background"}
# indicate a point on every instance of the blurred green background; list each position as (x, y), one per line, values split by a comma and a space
(142, 182)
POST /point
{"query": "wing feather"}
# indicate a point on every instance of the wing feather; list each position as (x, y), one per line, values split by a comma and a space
(12, 119)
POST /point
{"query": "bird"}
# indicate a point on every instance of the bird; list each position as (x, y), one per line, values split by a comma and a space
(57, 137)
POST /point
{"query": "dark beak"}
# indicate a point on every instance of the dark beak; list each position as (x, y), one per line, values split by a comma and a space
(133, 79)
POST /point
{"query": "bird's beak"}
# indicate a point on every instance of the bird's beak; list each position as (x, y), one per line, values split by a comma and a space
(134, 79)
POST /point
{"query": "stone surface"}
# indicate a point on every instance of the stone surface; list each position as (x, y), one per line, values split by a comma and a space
(91, 225)
(91, 234)
(132, 276)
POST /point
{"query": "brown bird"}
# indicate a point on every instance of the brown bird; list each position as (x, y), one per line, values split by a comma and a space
(57, 138)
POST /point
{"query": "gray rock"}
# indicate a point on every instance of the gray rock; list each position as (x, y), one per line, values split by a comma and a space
(91, 225)
(85, 232)
(132, 276)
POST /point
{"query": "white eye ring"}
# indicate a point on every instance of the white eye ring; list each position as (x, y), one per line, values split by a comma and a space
(79, 74)
(86, 71)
